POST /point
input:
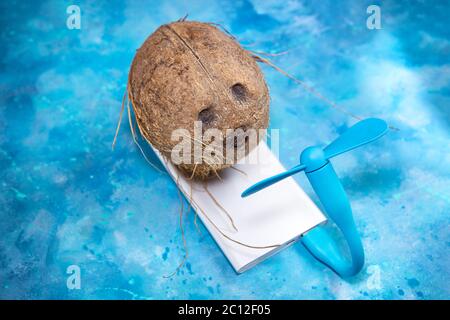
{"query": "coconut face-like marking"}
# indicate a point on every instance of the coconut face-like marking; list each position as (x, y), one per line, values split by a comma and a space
(190, 71)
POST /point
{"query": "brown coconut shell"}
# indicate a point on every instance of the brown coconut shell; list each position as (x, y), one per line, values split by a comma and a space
(188, 71)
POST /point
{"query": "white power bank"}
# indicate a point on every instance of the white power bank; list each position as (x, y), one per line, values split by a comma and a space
(276, 215)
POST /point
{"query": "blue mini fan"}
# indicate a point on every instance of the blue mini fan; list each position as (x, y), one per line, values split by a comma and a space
(320, 173)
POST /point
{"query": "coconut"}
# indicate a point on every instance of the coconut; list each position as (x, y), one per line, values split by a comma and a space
(190, 71)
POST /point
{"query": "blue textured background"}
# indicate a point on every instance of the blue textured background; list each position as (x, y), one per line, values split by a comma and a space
(66, 198)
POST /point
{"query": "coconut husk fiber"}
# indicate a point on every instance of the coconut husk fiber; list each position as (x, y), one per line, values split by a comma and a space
(189, 71)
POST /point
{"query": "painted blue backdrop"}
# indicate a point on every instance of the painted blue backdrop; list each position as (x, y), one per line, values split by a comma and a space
(67, 199)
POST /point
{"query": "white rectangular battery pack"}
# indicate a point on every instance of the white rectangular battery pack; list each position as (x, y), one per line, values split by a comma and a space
(277, 215)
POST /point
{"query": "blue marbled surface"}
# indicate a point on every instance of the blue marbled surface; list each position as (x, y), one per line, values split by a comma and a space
(67, 199)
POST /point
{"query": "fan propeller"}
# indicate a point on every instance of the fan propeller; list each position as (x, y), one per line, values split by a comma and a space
(320, 173)
(313, 158)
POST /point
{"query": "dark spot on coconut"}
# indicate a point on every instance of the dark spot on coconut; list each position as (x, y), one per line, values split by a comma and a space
(207, 116)
(239, 91)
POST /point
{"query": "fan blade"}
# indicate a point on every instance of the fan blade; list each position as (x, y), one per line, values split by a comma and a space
(359, 134)
(269, 181)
